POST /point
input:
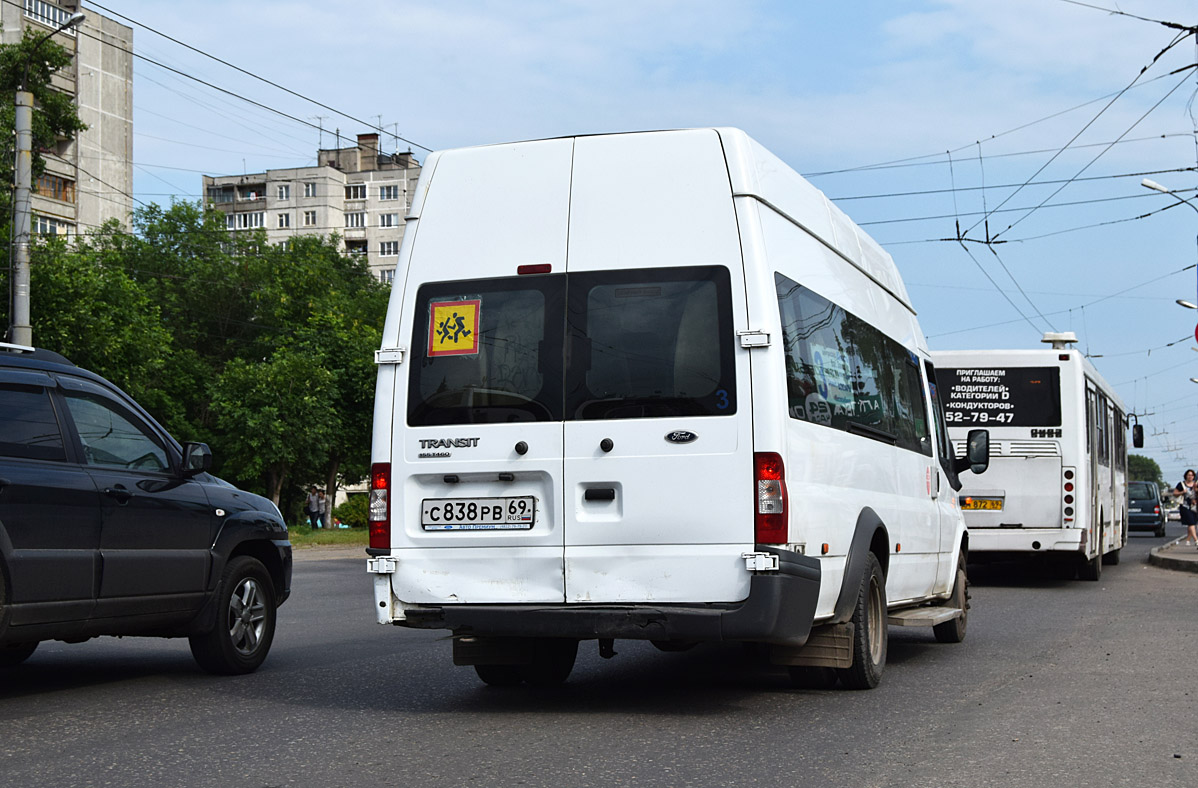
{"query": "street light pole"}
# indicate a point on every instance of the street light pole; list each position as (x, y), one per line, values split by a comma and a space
(21, 328)
(1148, 183)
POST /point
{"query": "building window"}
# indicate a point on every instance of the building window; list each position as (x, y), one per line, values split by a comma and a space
(389, 248)
(220, 194)
(285, 192)
(284, 221)
(245, 221)
(388, 220)
(355, 220)
(309, 218)
(56, 188)
(387, 276)
(44, 225)
(389, 192)
(356, 248)
(355, 191)
(309, 189)
(48, 14)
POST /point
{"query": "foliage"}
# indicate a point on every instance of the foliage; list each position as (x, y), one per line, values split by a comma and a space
(354, 511)
(55, 117)
(265, 352)
(1141, 468)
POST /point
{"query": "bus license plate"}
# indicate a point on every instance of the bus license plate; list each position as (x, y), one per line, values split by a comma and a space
(991, 504)
(478, 514)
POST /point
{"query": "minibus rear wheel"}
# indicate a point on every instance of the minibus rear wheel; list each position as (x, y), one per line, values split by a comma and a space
(869, 630)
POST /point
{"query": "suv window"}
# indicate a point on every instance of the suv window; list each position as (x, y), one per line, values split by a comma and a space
(28, 427)
(1141, 491)
(113, 438)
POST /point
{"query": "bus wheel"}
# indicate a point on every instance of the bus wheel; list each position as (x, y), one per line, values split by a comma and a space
(954, 631)
(1111, 558)
(553, 659)
(869, 631)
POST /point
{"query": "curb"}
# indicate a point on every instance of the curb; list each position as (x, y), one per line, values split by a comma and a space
(1156, 557)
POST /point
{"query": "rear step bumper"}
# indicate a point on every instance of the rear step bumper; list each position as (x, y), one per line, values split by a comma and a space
(779, 609)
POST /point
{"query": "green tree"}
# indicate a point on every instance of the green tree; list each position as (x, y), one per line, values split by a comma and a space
(1141, 468)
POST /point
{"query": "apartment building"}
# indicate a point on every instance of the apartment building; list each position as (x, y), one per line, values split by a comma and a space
(88, 179)
(358, 192)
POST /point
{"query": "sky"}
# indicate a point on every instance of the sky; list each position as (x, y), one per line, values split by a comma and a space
(1023, 127)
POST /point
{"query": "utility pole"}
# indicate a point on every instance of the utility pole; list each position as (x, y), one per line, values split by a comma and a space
(21, 329)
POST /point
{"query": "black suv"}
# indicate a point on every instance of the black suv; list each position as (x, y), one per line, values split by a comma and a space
(1144, 508)
(110, 527)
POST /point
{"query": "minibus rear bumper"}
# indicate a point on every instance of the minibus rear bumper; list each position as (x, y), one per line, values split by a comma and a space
(779, 609)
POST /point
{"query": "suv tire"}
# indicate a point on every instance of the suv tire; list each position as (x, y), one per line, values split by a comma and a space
(245, 620)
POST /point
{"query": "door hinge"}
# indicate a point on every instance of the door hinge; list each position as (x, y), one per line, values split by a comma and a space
(389, 355)
(384, 565)
(760, 562)
(754, 338)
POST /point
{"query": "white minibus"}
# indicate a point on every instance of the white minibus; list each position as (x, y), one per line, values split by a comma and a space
(655, 386)
(1058, 472)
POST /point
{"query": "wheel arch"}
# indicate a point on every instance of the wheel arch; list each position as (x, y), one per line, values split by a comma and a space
(869, 536)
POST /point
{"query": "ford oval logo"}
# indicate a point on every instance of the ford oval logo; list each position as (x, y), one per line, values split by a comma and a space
(681, 436)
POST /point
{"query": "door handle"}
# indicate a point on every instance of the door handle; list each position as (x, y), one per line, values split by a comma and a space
(599, 494)
(121, 495)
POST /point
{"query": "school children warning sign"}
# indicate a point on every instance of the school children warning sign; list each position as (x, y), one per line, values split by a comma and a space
(453, 328)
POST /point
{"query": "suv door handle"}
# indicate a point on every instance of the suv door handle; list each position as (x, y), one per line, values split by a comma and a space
(121, 495)
(599, 494)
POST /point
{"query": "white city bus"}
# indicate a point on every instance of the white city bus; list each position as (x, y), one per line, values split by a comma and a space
(1058, 469)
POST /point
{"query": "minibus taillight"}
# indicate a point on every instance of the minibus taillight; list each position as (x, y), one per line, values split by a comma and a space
(769, 525)
(380, 505)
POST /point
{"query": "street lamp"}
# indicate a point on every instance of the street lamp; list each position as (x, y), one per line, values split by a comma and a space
(1148, 183)
(21, 330)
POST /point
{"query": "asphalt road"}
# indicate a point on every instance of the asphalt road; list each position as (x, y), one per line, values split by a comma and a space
(1057, 684)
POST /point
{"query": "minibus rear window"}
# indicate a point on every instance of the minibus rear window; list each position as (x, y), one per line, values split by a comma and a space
(650, 343)
(487, 351)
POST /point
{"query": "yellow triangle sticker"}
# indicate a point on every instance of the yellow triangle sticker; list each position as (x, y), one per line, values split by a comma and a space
(453, 328)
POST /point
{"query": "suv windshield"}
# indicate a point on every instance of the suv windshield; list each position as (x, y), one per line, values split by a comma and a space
(593, 345)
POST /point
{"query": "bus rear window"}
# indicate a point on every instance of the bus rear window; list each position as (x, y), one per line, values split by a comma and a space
(487, 351)
(1001, 397)
(650, 343)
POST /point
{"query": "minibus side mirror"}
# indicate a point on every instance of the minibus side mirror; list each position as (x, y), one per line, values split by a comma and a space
(1137, 436)
(977, 452)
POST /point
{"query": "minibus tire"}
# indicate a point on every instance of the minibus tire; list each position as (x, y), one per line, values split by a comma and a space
(954, 631)
(499, 675)
(869, 630)
(552, 661)
(1112, 558)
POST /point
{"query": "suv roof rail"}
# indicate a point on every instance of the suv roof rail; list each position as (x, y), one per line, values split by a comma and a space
(38, 354)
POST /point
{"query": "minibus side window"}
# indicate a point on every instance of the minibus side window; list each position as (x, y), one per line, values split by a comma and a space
(487, 351)
(844, 373)
(650, 343)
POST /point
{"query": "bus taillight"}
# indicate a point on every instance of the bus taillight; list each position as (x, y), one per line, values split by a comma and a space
(1067, 494)
(770, 516)
(379, 518)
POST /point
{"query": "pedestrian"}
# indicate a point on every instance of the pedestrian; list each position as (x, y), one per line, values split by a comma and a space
(312, 507)
(1187, 490)
(325, 509)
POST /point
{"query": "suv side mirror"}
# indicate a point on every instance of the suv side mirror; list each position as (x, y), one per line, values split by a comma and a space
(197, 458)
(1137, 436)
(977, 453)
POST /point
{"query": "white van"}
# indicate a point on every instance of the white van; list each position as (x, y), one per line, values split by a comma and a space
(655, 386)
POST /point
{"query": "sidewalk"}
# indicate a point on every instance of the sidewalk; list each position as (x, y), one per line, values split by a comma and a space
(1175, 555)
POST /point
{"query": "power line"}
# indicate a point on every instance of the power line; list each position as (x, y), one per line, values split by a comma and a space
(257, 77)
(1114, 12)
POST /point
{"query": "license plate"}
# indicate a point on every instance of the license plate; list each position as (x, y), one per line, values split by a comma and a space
(478, 514)
(991, 504)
